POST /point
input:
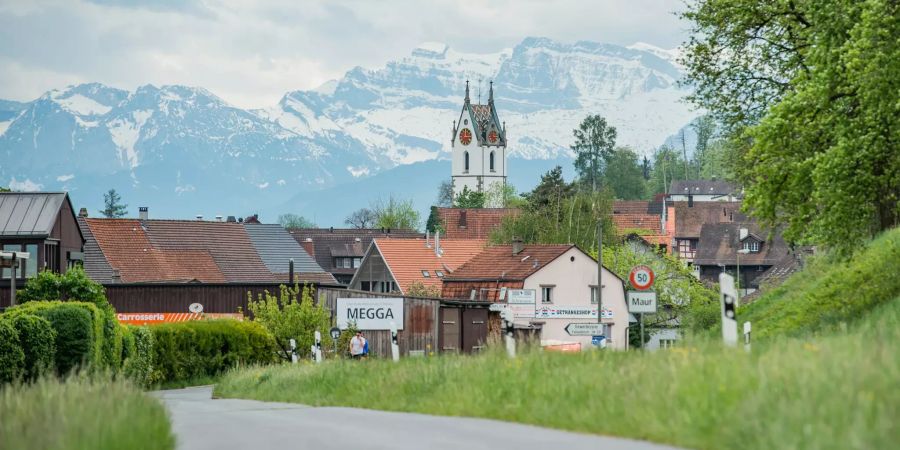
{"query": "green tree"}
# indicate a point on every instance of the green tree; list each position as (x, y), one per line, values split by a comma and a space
(668, 165)
(418, 289)
(396, 214)
(550, 191)
(624, 176)
(295, 221)
(434, 221)
(293, 314)
(74, 285)
(719, 161)
(705, 128)
(809, 93)
(361, 218)
(113, 206)
(502, 195)
(593, 147)
(469, 199)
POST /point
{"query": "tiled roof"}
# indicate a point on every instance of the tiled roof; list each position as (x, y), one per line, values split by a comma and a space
(719, 243)
(631, 207)
(328, 243)
(29, 213)
(499, 263)
(177, 251)
(407, 258)
(646, 222)
(701, 187)
(472, 223)
(690, 219)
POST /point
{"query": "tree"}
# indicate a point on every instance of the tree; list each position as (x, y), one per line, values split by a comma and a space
(418, 289)
(74, 285)
(469, 199)
(434, 221)
(114, 208)
(720, 159)
(705, 128)
(295, 221)
(624, 175)
(550, 191)
(3, 189)
(396, 214)
(361, 218)
(808, 92)
(594, 143)
(288, 317)
(667, 166)
(502, 195)
(445, 194)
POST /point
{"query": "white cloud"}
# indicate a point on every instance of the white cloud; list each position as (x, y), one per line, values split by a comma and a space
(64, 178)
(251, 53)
(25, 186)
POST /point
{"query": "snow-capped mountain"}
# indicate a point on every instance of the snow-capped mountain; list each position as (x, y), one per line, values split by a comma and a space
(183, 151)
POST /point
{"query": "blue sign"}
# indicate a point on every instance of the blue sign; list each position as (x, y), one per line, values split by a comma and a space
(597, 340)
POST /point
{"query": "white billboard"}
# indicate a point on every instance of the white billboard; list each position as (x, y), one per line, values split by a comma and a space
(570, 312)
(521, 296)
(369, 313)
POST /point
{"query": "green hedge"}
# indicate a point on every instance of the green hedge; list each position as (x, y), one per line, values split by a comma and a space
(79, 331)
(207, 348)
(138, 354)
(38, 340)
(12, 358)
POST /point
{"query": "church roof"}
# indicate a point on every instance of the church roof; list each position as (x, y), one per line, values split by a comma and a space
(484, 121)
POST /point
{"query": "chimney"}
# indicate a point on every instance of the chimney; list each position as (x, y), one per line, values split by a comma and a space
(218, 217)
(116, 276)
(437, 244)
(307, 245)
(517, 246)
(143, 213)
(690, 200)
(427, 239)
(82, 212)
(231, 219)
(199, 216)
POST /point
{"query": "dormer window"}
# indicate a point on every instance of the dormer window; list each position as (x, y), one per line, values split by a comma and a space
(751, 245)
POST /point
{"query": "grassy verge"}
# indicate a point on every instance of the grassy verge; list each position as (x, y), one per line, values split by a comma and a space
(81, 413)
(186, 383)
(833, 392)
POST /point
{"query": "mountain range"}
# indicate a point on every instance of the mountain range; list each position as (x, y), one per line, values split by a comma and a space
(375, 132)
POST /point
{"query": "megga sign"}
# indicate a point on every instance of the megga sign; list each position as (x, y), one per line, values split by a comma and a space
(370, 313)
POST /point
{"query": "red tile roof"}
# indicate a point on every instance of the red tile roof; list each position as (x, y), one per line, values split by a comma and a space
(472, 223)
(500, 263)
(407, 258)
(648, 223)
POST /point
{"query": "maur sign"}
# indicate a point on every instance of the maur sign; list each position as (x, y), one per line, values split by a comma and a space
(641, 302)
(369, 313)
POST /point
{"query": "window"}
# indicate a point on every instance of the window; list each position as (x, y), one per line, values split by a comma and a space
(365, 286)
(10, 248)
(31, 266)
(347, 263)
(357, 262)
(546, 294)
(593, 295)
(667, 343)
(492, 161)
(426, 274)
(439, 273)
(687, 248)
(466, 167)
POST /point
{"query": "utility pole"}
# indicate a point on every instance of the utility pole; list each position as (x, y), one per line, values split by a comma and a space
(600, 271)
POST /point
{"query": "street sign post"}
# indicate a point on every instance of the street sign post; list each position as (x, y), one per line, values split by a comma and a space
(641, 303)
(585, 329)
(335, 335)
(641, 277)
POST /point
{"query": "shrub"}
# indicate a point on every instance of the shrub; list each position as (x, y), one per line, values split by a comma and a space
(12, 358)
(79, 331)
(207, 348)
(138, 355)
(73, 285)
(38, 341)
(289, 317)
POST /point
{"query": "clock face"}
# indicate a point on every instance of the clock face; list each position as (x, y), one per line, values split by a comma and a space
(492, 136)
(465, 136)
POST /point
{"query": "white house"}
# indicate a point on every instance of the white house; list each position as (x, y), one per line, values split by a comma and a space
(563, 279)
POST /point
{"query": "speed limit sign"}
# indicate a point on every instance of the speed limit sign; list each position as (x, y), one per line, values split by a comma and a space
(641, 277)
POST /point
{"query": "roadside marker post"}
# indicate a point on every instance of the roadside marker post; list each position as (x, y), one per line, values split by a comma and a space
(318, 347)
(728, 300)
(747, 336)
(395, 346)
(509, 335)
(293, 351)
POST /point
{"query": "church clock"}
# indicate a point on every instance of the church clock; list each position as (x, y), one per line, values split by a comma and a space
(465, 136)
(492, 136)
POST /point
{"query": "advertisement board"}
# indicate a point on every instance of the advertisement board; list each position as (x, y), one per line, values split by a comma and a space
(521, 296)
(369, 313)
(569, 312)
(157, 318)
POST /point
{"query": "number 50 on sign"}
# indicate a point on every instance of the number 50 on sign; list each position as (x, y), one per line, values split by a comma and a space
(641, 277)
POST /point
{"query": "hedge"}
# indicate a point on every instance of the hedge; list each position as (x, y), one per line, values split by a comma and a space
(207, 348)
(138, 354)
(79, 331)
(38, 340)
(12, 358)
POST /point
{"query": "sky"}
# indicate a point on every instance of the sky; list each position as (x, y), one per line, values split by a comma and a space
(251, 52)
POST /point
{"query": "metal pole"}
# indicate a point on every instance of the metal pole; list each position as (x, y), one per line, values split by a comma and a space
(12, 280)
(738, 298)
(600, 272)
(642, 330)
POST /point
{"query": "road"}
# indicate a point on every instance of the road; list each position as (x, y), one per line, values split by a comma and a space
(199, 422)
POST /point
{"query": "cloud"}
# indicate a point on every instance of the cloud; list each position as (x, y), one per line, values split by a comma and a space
(25, 186)
(250, 53)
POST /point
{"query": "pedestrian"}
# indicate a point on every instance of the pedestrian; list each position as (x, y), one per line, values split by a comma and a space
(357, 344)
(365, 353)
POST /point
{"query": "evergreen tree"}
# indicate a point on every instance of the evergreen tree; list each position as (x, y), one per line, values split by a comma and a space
(113, 206)
(593, 147)
(624, 176)
(550, 191)
(434, 221)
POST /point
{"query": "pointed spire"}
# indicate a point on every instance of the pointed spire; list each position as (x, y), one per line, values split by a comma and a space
(491, 93)
(467, 91)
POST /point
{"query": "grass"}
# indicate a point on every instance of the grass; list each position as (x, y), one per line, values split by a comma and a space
(189, 382)
(840, 391)
(81, 413)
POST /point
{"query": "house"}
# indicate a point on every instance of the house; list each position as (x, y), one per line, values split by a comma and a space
(472, 223)
(741, 249)
(562, 283)
(703, 191)
(395, 265)
(690, 217)
(340, 251)
(648, 224)
(43, 225)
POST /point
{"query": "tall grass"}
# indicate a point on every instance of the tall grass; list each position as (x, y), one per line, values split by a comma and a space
(81, 413)
(841, 391)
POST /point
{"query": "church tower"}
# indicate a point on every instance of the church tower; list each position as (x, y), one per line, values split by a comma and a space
(479, 149)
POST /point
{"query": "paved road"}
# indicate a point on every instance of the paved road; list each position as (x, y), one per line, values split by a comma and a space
(202, 423)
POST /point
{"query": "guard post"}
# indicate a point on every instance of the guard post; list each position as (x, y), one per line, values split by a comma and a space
(509, 334)
(318, 348)
(395, 345)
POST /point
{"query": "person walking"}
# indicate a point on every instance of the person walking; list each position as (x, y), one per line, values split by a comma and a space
(365, 353)
(357, 345)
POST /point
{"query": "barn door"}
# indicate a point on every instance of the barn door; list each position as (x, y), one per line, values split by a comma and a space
(475, 329)
(450, 335)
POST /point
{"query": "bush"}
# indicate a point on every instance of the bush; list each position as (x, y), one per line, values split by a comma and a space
(138, 355)
(293, 314)
(38, 341)
(79, 331)
(207, 348)
(12, 358)
(73, 285)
